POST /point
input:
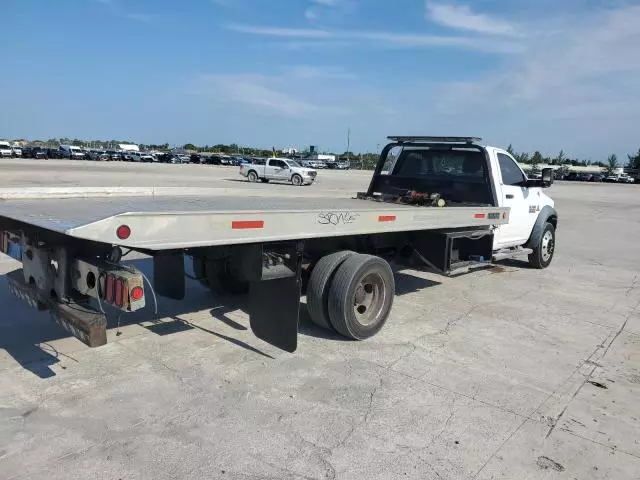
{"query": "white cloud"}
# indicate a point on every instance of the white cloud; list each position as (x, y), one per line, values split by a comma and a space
(463, 18)
(140, 17)
(382, 38)
(575, 85)
(116, 9)
(312, 72)
(265, 93)
(283, 31)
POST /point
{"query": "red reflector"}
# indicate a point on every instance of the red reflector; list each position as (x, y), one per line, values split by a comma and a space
(123, 232)
(109, 290)
(119, 292)
(386, 218)
(246, 224)
(479, 215)
(137, 293)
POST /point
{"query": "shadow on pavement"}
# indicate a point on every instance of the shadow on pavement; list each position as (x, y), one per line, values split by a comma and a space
(26, 334)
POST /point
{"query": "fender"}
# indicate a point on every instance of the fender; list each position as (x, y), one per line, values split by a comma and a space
(547, 215)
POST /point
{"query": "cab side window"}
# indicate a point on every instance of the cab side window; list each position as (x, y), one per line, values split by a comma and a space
(277, 163)
(511, 173)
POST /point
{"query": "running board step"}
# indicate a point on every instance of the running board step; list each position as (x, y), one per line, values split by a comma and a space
(510, 253)
(83, 322)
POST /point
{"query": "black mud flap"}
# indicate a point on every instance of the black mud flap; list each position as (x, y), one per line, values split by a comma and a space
(168, 275)
(84, 323)
(274, 301)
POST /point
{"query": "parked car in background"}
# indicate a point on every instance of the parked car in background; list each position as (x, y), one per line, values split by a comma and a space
(5, 150)
(114, 156)
(17, 151)
(611, 179)
(212, 160)
(343, 165)
(195, 158)
(100, 155)
(72, 152)
(35, 152)
(625, 178)
(54, 153)
(596, 177)
(146, 157)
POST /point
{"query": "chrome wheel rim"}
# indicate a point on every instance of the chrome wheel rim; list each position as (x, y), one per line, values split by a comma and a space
(547, 245)
(369, 298)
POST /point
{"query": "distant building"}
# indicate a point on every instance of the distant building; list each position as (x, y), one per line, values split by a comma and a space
(128, 148)
(290, 150)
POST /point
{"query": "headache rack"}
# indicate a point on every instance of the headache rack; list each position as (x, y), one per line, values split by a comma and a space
(427, 139)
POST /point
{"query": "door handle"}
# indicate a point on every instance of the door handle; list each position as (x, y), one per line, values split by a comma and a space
(509, 196)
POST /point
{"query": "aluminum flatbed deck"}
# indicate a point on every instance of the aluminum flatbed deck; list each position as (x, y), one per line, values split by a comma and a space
(178, 222)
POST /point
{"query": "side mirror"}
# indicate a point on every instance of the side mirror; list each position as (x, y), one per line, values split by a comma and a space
(547, 177)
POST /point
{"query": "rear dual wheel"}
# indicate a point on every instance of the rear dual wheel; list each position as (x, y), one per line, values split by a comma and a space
(351, 293)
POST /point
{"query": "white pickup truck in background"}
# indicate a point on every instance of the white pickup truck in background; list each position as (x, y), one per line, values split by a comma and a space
(278, 169)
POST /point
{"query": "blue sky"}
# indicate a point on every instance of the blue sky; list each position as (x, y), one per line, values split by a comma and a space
(542, 74)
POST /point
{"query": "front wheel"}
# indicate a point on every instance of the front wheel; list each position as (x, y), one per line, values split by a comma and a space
(296, 180)
(543, 252)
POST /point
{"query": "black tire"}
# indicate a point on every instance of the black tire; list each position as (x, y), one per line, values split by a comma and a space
(199, 270)
(319, 285)
(217, 275)
(296, 180)
(264, 180)
(359, 278)
(252, 176)
(543, 252)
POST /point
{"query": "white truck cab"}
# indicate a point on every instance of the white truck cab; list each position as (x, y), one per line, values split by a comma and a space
(461, 171)
(525, 202)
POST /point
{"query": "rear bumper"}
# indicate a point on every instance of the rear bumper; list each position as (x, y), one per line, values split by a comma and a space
(83, 322)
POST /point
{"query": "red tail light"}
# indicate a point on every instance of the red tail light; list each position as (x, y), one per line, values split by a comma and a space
(137, 293)
(123, 232)
(119, 292)
(109, 290)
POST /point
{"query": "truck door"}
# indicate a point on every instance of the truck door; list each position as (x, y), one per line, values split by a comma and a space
(277, 170)
(513, 193)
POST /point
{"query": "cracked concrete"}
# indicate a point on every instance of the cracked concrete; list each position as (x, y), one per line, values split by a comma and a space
(494, 375)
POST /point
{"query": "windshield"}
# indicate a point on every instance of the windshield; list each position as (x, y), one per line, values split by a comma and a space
(293, 163)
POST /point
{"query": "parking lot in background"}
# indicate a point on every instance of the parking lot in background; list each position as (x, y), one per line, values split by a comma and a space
(504, 373)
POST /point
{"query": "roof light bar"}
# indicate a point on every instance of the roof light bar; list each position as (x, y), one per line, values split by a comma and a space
(424, 139)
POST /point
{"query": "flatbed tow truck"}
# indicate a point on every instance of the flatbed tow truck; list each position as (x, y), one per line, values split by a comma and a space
(446, 203)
